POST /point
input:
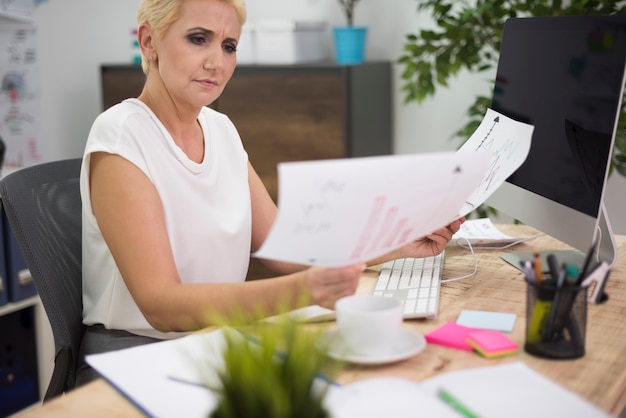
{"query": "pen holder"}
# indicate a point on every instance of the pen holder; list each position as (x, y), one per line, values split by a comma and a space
(556, 320)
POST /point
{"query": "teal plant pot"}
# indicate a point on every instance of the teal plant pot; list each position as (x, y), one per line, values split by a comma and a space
(350, 44)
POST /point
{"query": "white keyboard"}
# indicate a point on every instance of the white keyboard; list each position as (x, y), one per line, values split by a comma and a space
(415, 281)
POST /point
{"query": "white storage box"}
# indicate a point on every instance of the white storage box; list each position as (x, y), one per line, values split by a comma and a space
(289, 42)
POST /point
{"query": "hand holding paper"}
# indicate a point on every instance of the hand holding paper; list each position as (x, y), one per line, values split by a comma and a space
(339, 212)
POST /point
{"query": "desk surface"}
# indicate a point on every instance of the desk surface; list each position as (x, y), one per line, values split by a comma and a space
(599, 377)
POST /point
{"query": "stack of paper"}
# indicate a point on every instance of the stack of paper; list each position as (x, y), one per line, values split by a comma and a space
(162, 379)
(481, 232)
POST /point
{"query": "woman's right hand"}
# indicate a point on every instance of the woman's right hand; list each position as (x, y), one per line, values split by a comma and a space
(327, 285)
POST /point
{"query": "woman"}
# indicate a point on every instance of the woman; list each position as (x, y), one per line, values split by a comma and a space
(171, 206)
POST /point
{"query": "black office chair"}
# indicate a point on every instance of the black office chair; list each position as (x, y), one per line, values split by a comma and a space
(43, 206)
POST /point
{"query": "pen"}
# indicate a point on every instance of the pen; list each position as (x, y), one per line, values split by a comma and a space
(538, 275)
(553, 266)
(564, 308)
(455, 404)
(540, 315)
(554, 311)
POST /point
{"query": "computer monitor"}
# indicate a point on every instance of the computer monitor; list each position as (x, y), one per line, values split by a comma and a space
(565, 76)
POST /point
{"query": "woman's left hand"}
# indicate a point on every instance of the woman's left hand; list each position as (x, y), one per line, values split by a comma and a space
(434, 243)
(427, 246)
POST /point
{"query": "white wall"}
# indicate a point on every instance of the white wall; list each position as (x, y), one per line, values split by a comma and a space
(76, 36)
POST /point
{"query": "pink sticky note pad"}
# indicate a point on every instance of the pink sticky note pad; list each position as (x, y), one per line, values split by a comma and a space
(491, 343)
(451, 334)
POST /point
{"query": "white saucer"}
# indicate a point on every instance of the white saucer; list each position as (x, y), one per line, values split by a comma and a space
(406, 345)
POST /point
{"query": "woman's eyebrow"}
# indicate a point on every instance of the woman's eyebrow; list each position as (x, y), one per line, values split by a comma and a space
(200, 29)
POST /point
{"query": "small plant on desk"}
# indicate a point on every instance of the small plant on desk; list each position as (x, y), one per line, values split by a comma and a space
(270, 370)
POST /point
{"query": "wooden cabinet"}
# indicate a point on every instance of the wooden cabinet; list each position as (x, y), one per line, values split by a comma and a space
(293, 113)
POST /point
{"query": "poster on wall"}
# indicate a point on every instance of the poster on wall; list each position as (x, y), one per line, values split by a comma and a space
(20, 96)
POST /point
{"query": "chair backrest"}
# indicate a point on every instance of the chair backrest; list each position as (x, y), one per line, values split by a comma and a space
(43, 206)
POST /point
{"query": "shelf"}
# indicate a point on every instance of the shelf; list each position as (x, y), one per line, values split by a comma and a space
(16, 306)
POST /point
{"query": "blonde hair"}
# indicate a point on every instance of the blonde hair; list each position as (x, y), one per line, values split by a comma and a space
(160, 14)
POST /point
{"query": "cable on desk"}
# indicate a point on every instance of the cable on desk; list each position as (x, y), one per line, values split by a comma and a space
(501, 247)
(469, 246)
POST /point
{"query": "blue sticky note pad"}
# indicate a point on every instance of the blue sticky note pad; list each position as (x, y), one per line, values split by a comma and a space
(498, 321)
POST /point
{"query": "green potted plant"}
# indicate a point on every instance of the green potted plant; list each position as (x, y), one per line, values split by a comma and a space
(467, 37)
(272, 369)
(350, 40)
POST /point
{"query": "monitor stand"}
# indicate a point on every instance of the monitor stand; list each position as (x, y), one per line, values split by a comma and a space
(606, 251)
(608, 247)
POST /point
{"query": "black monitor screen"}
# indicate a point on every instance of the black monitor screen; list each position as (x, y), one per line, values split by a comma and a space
(565, 77)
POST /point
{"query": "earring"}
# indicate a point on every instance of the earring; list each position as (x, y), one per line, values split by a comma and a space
(149, 57)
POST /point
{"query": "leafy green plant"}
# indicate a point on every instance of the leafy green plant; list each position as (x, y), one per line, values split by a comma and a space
(273, 372)
(467, 37)
(347, 6)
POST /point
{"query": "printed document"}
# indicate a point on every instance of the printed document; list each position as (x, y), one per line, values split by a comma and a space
(481, 232)
(338, 212)
(508, 143)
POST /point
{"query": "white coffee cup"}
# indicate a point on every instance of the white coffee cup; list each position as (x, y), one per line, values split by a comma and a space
(368, 324)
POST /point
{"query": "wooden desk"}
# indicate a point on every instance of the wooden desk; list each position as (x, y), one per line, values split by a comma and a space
(599, 377)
